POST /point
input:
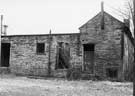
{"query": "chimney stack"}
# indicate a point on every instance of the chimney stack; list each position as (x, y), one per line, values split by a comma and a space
(102, 6)
(102, 15)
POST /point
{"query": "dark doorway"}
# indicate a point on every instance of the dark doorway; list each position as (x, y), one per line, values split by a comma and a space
(88, 57)
(5, 54)
(63, 55)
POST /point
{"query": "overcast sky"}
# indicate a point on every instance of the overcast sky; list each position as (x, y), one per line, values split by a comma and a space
(61, 16)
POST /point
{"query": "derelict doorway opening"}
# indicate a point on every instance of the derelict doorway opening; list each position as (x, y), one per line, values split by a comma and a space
(88, 57)
(5, 54)
(63, 56)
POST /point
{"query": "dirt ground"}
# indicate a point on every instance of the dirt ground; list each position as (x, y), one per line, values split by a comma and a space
(23, 86)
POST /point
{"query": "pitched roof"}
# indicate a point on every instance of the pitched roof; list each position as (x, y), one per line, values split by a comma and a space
(98, 16)
(124, 28)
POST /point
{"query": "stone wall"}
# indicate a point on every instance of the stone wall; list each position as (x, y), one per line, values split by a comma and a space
(107, 42)
(108, 49)
(25, 61)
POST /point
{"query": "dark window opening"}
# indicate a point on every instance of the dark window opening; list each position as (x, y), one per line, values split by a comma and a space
(112, 72)
(89, 47)
(5, 54)
(40, 48)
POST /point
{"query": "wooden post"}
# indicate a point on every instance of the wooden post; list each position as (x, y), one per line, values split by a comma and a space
(49, 55)
(57, 56)
(82, 57)
(134, 48)
(0, 36)
(1, 24)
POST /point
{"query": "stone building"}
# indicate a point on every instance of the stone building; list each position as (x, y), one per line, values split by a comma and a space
(104, 47)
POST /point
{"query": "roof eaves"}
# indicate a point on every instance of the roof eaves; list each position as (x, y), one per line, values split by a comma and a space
(90, 20)
(40, 34)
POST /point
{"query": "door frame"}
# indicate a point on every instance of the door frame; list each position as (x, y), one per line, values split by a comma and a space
(83, 65)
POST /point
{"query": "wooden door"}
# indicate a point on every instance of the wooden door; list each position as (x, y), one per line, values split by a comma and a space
(88, 58)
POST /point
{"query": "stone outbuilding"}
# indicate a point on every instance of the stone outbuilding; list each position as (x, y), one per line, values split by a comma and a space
(104, 47)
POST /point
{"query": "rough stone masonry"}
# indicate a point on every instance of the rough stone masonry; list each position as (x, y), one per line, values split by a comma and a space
(104, 51)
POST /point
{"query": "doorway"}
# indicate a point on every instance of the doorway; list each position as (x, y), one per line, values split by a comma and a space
(88, 57)
(5, 54)
(63, 56)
